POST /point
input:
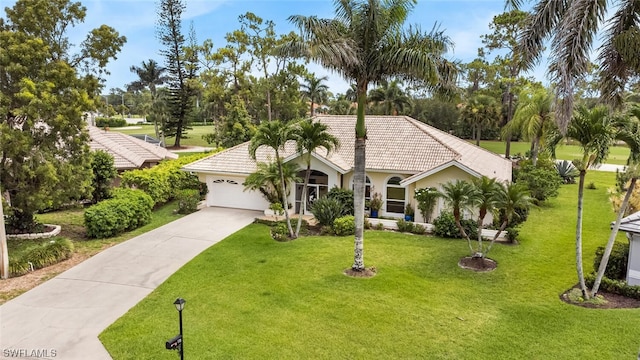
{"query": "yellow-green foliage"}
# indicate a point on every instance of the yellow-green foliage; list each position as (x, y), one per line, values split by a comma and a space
(41, 255)
(162, 182)
(127, 210)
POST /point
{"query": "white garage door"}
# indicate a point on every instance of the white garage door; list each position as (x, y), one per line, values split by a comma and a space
(228, 191)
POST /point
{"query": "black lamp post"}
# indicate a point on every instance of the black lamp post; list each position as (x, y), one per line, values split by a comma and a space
(179, 303)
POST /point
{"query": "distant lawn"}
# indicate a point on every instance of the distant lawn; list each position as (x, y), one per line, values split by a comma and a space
(194, 136)
(618, 154)
(251, 297)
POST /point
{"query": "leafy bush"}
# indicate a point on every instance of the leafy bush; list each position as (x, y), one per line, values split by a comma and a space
(163, 181)
(512, 234)
(445, 226)
(591, 186)
(326, 210)
(345, 196)
(617, 265)
(619, 287)
(427, 199)
(567, 171)
(279, 232)
(103, 174)
(344, 226)
(41, 255)
(110, 122)
(543, 182)
(127, 210)
(404, 226)
(419, 229)
(188, 200)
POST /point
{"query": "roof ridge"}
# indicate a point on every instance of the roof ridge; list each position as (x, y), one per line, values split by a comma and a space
(217, 153)
(124, 152)
(420, 125)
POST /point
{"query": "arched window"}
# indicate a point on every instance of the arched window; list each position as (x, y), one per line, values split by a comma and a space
(395, 196)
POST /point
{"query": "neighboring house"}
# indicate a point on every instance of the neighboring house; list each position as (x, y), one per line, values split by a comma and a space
(631, 225)
(402, 155)
(128, 152)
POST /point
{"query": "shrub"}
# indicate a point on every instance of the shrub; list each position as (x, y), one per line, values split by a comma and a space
(404, 226)
(617, 264)
(445, 226)
(103, 174)
(344, 226)
(279, 232)
(427, 199)
(419, 229)
(591, 186)
(188, 200)
(619, 287)
(127, 210)
(110, 122)
(326, 210)
(41, 255)
(567, 171)
(512, 234)
(345, 196)
(543, 182)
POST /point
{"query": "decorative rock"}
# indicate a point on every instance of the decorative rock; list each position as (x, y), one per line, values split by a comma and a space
(45, 235)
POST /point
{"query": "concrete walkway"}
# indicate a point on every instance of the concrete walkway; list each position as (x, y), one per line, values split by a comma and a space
(61, 319)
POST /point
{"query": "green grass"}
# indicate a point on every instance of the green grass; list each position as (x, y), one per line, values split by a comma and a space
(617, 154)
(252, 297)
(193, 136)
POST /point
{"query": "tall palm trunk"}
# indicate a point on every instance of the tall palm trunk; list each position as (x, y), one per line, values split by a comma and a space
(579, 267)
(303, 198)
(285, 203)
(359, 179)
(535, 145)
(4, 250)
(480, 250)
(612, 238)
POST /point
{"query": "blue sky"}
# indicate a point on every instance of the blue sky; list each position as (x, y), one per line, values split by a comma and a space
(463, 21)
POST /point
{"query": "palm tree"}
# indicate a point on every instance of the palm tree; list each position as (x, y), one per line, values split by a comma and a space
(275, 134)
(149, 76)
(630, 134)
(486, 195)
(310, 137)
(533, 118)
(266, 179)
(572, 27)
(509, 198)
(315, 91)
(392, 98)
(459, 195)
(479, 111)
(366, 43)
(595, 130)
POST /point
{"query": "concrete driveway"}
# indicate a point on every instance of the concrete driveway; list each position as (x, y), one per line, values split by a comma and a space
(61, 319)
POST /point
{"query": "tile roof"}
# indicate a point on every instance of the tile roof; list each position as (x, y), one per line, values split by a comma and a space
(394, 144)
(127, 151)
(630, 224)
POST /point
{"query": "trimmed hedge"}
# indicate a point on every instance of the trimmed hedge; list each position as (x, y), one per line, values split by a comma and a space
(110, 122)
(127, 210)
(188, 200)
(41, 255)
(445, 226)
(619, 287)
(617, 264)
(163, 181)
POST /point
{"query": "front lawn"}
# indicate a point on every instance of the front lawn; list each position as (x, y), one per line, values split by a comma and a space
(252, 297)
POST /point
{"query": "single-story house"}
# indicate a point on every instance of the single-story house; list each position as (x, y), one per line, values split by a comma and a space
(402, 154)
(631, 225)
(128, 152)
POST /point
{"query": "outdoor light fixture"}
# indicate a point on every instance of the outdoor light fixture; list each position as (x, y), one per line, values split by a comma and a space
(176, 343)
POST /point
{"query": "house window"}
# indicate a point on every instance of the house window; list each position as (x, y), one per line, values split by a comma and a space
(395, 196)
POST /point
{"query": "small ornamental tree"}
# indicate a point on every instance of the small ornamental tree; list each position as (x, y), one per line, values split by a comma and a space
(427, 199)
(103, 174)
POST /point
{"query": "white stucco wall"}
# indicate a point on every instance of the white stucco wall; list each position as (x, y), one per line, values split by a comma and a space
(633, 266)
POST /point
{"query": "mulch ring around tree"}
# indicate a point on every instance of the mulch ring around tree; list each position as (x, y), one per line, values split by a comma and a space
(366, 273)
(477, 264)
(612, 301)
